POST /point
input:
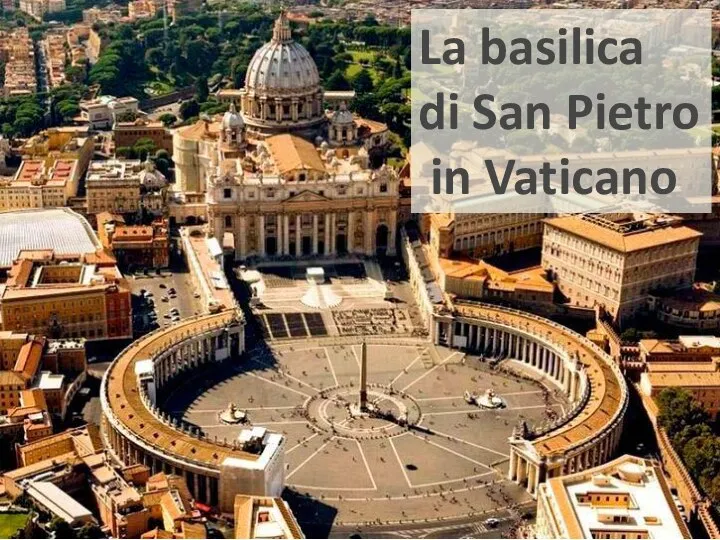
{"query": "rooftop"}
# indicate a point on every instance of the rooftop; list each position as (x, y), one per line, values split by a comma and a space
(59, 229)
(635, 235)
(627, 496)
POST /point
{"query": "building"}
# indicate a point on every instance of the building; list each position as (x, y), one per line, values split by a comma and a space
(55, 57)
(104, 111)
(52, 499)
(284, 177)
(143, 246)
(617, 260)
(111, 13)
(21, 376)
(690, 362)
(480, 280)
(66, 296)
(625, 498)
(57, 458)
(141, 9)
(65, 143)
(264, 517)
(697, 308)
(18, 52)
(126, 134)
(40, 183)
(38, 8)
(59, 230)
(481, 235)
(113, 186)
(38, 378)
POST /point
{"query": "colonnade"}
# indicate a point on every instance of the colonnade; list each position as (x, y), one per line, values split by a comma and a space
(532, 350)
(187, 351)
(524, 338)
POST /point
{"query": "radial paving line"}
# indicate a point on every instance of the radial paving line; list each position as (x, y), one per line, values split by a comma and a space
(458, 454)
(278, 384)
(315, 453)
(332, 369)
(362, 454)
(406, 369)
(429, 371)
(400, 463)
(458, 439)
(298, 445)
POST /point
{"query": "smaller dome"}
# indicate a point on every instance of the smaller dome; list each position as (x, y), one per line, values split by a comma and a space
(342, 115)
(231, 119)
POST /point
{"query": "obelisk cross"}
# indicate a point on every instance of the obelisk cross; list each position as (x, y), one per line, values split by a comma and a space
(363, 377)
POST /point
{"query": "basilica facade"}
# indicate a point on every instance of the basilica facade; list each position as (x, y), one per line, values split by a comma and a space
(285, 176)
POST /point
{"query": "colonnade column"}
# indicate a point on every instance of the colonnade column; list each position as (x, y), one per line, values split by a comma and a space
(298, 237)
(279, 237)
(512, 464)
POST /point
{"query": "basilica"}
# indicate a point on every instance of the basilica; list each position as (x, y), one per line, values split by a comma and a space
(286, 175)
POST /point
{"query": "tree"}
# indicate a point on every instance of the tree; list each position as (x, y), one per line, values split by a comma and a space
(168, 119)
(337, 81)
(363, 83)
(163, 162)
(143, 147)
(189, 108)
(678, 410)
(90, 530)
(61, 528)
(201, 89)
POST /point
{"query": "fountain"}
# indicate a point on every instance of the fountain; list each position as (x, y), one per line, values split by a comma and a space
(231, 415)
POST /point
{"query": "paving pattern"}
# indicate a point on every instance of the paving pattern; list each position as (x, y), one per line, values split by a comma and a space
(451, 464)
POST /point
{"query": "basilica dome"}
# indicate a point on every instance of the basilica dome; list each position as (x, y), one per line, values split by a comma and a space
(281, 66)
(282, 90)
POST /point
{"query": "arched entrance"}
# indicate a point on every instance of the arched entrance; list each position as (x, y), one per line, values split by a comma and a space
(341, 244)
(382, 235)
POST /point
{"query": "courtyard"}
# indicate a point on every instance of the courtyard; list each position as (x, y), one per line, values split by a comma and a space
(449, 462)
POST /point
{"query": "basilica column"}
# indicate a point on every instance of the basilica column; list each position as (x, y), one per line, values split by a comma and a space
(369, 232)
(261, 235)
(392, 232)
(333, 232)
(351, 231)
(315, 235)
(327, 234)
(298, 236)
(242, 240)
(279, 239)
(286, 234)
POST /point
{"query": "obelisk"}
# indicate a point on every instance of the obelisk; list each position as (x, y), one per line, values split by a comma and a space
(363, 377)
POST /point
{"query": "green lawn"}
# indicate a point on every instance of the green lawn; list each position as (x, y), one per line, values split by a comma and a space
(10, 523)
(367, 57)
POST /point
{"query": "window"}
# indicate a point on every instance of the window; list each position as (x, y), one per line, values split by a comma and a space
(227, 193)
(228, 221)
(383, 188)
(301, 177)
